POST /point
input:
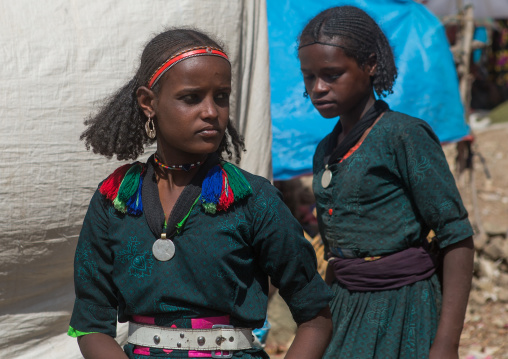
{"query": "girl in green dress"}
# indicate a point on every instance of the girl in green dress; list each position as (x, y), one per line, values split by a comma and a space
(381, 183)
(182, 246)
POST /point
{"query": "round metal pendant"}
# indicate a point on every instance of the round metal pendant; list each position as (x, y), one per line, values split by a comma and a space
(163, 249)
(326, 178)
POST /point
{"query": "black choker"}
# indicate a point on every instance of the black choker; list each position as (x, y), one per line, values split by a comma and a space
(186, 167)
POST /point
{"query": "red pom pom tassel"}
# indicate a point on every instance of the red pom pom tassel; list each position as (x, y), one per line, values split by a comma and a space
(227, 197)
(111, 185)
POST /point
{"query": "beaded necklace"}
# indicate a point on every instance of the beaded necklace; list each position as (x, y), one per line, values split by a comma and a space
(185, 167)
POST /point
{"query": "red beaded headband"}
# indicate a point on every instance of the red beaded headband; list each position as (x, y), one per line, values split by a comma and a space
(195, 51)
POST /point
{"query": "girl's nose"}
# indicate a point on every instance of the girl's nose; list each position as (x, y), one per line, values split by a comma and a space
(209, 108)
(320, 86)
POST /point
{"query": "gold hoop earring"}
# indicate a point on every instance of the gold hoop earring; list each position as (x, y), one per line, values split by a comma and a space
(150, 128)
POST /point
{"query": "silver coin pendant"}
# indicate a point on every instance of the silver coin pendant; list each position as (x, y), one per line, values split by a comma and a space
(326, 178)
(163, 249)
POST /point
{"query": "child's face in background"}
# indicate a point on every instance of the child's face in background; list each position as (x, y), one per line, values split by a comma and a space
(192, 107)
(335, 82)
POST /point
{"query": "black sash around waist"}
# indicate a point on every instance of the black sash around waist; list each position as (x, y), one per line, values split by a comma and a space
(389, 272)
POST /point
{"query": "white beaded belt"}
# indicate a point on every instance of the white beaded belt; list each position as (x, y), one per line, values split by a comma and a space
(219, 338)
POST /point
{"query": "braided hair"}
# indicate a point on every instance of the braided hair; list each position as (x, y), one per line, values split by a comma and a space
(118, 128)
(360, 36)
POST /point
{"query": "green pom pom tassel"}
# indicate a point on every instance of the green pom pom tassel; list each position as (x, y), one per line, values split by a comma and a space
(239, 185)
(210, 207)
(130, 184)
(119, 206)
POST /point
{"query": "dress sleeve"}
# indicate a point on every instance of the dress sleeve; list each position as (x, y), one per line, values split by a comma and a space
(95, 306)
(286, 256)
(431, 185)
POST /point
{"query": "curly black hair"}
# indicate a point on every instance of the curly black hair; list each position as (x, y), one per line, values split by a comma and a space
(118, 128)
(360, 36)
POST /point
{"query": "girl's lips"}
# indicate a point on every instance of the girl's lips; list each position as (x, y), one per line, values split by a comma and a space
(323, 105)
(209, 133)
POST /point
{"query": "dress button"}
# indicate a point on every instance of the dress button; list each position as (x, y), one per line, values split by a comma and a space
(156, 339)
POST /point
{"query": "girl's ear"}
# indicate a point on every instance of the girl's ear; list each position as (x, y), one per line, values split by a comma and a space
(146, 99)
(371, 65)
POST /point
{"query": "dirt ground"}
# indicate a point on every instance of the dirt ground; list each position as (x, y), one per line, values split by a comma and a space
(485, 331)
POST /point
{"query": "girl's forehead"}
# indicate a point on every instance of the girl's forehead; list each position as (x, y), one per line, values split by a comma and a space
(200, 69)
(319, 53)
(204, 64)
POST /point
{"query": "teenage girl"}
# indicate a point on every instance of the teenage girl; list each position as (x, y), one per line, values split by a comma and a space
(181, 246)
(381, 183)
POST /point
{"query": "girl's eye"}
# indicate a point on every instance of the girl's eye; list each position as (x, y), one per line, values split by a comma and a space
(334, 76)
(222, 96)
(190, 98)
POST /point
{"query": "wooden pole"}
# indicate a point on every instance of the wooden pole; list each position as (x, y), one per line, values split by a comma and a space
(465, 61)
(466, 33)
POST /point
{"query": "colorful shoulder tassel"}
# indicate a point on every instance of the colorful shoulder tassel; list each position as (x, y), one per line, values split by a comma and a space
(123, 188)
(237, 181)
(227, 196)
(223, 185)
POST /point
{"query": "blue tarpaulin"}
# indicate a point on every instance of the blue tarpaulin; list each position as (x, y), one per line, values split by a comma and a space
(427, 85)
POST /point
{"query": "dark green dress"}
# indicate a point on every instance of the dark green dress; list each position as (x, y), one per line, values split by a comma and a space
(221, 267)
(385, 198)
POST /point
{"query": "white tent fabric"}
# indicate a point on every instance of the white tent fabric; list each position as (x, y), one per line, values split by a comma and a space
(59, 58)
(497, 9)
